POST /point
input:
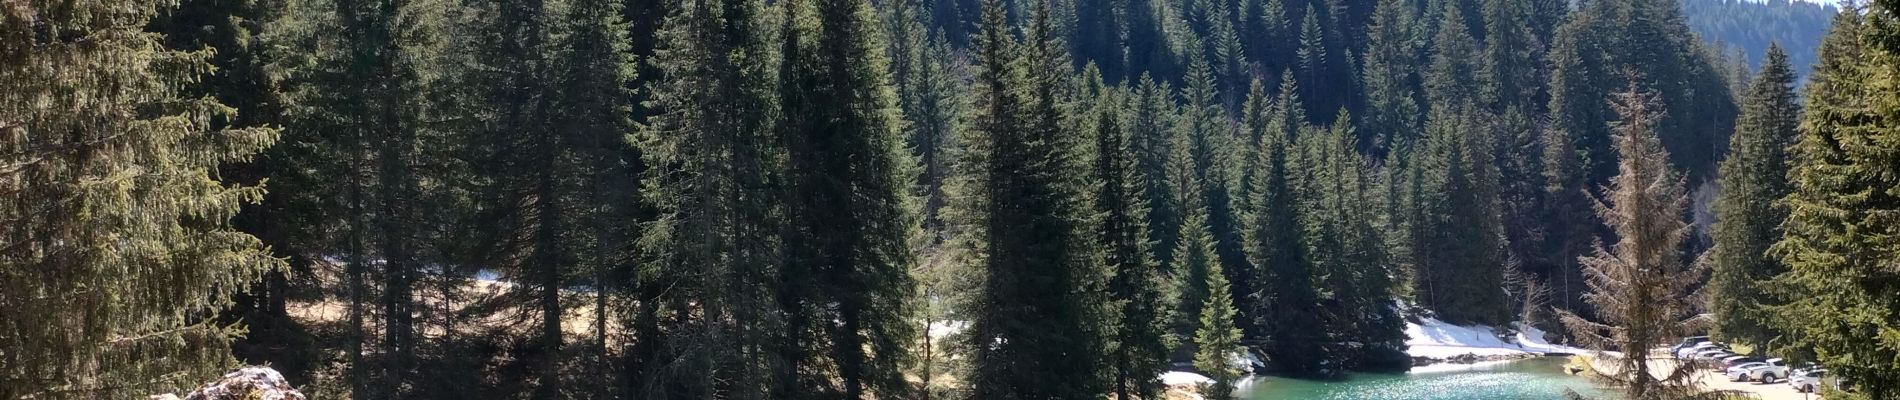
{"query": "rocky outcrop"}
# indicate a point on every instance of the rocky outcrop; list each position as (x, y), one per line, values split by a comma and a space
(248, 383)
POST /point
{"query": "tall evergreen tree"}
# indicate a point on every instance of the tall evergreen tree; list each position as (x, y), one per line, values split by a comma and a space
(1216, 338)
(1839, 239)
(1286, 295)
(1510, 63)
(1640, 285)
(364, 83)
(1035, 318)
(846, 285)
(1151, 128)
(1391, 92)
(1753, 178)
(1138, 351)
(708, 146)
(117, 249)
(595, 69)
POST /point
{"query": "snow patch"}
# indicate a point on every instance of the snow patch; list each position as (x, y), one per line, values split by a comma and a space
(1432, 338)
(1182, 378)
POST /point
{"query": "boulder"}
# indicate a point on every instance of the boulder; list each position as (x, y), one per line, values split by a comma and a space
(248, 383)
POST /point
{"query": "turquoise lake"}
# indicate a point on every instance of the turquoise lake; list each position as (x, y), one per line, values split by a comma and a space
(1538, 378)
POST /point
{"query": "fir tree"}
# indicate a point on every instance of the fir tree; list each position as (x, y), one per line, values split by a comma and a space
(1151, 141)
(846, 276)
(1273, 231)
(1035, 328)
(1216, 338)
(595, 69)
(707, 144)
(118, 248)
(1139, 348)
(1510, 57)
(1840, 229)
(1639, 285)
(1391, 94)
(1753, 178)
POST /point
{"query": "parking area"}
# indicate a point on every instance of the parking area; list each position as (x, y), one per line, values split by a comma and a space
(1761, 374)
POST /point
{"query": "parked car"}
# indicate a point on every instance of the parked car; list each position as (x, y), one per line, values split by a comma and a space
(1807, 381)
(1771, 370)
(1698, 349)
(1688, 343)
(1739, 372)
(1737, 360)
(1712, 355)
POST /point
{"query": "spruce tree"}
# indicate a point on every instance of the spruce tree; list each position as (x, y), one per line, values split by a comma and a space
(1138, 351)
(534, 171)
(1840, 229)
(1205, 156)
(708, 145)
(366, 81)
(594, 70)
(1640, 285)
(1510, 65)
(1216, 339)
(1287, 297)
(847, 287)
(1035, 329)
(1753, 178)
(1151, 128)
(1390, 80)
(118, 248)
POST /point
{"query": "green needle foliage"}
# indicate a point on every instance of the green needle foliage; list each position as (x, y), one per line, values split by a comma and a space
(116, 245)
(1753, 178)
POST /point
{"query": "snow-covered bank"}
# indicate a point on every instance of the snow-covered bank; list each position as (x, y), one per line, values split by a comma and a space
(1432, 341)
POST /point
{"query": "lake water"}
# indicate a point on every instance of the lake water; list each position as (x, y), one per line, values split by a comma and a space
(1538, 378)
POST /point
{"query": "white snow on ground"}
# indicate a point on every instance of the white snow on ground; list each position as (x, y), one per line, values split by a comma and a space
(1438, 339)
(1172, 378)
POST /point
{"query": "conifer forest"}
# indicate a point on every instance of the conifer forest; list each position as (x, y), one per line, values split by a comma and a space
(930, 199)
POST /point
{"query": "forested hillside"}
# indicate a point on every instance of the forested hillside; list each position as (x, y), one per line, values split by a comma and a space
(1746, 28)
(925, 199)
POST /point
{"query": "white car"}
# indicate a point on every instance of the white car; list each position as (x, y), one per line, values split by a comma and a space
(1739, 372)
(1807, 381)
(1701, 347)
(1769, 371)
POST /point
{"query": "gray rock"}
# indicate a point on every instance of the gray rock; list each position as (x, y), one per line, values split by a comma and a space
(248, 383)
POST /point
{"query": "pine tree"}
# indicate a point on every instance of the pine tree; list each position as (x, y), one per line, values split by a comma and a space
(1216, 338)
(595, 68)
(707, 145)
(1036, 317)
(1510, 63)
(1139, 347)
(118, 249)
(1639, 285)
(1453, 80)
(1286, 294)
(1150, 53)
(1840, 229)
(1151, 141)
(846, 279)
(1753, 178)
(1390, 81)
(534, 170)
